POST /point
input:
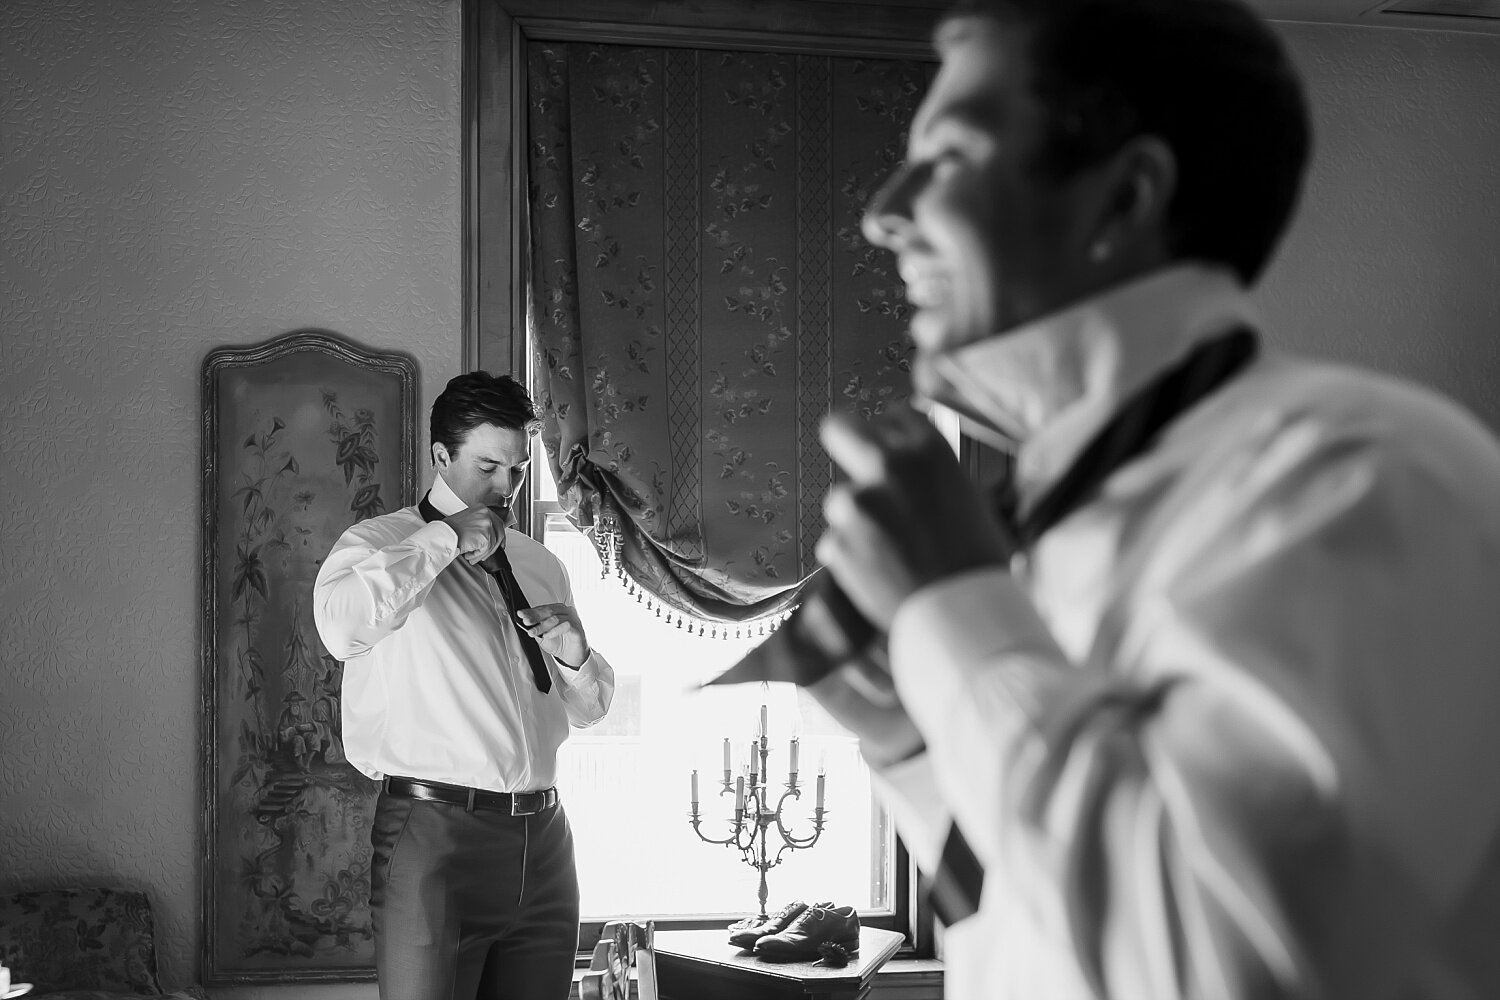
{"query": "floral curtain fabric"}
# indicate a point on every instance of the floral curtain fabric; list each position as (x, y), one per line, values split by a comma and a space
(701, 297)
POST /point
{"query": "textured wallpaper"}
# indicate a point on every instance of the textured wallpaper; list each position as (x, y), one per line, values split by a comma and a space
(1394, 261)
(175, 175)
(179, 174)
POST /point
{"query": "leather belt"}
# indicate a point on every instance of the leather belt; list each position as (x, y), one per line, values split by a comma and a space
(515, 803)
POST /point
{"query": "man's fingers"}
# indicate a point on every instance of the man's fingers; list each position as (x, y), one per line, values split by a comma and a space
(534, 615)
(852, 445)
(864, 515)
(546, 619)
(882, 509)
(478, 553)
(865, 449)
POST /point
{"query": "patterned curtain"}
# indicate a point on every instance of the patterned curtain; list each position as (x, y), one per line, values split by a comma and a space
(701, 297)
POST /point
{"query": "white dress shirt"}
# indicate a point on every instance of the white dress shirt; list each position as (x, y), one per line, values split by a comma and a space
(436, 685)
(1232, 728)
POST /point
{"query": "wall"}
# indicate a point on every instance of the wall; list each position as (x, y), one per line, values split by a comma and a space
(178, 174)
(1395, 259)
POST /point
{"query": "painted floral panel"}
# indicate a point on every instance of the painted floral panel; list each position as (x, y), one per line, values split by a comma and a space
(311, 436)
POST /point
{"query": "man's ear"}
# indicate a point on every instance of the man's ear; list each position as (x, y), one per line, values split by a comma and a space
(440, 456)
(1142, 181)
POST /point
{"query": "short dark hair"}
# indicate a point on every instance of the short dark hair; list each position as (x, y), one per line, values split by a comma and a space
(1209, 78)
(475, 398)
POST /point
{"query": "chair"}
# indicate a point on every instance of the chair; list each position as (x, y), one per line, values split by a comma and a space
(622, 945)
(83, 944)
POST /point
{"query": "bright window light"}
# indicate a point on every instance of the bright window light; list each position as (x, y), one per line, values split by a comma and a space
(626, 780)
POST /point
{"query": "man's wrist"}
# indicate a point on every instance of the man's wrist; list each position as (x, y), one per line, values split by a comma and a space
(587, 652)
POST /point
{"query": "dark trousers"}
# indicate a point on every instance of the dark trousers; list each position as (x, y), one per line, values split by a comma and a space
(476, 905)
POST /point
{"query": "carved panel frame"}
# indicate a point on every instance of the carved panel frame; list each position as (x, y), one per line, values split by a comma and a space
(302, 435)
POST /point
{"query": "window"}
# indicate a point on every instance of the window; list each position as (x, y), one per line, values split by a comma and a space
(627, 780)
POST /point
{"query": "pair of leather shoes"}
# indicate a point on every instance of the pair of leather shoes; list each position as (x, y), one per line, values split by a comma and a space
(799, 932)
(821, 931)
(744, 933)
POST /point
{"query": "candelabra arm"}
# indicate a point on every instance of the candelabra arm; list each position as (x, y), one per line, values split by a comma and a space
(750, 827)
(737, 828)
(791, 840)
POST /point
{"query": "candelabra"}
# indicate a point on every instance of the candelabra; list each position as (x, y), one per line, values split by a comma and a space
(753, 813)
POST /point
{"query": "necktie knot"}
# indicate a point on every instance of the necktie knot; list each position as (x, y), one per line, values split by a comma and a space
(497, 564)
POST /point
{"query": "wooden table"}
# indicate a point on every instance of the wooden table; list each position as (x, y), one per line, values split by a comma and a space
(703, 965)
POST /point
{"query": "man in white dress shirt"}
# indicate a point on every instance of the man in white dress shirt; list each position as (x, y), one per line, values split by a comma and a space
(1213, 712)
(464, 665)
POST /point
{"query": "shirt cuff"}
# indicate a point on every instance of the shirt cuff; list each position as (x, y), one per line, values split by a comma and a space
(436, 545)
(584, 673)
(440, 536)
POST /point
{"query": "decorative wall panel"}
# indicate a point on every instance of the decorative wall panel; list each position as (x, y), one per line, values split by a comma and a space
(303, 435)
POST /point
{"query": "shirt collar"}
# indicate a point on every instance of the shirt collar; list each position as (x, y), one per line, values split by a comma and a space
(443, 497)
(1043, 389)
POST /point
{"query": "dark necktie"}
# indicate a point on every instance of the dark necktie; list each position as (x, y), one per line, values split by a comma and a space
(498, 565)
(956, 885)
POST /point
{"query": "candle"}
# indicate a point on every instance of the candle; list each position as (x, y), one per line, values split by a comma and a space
(726, 757)
(695, 789)
(754, 761)
(820, 789)
(793, 756)
(739, 794)
(763, 721)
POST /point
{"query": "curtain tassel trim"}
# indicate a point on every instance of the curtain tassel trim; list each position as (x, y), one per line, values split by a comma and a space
(610, 540)
(693, 625)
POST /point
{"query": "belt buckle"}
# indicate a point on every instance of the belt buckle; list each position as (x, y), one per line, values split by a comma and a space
(517, 798)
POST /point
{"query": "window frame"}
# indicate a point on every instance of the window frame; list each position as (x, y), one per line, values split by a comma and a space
(902, 916)
(494, 205)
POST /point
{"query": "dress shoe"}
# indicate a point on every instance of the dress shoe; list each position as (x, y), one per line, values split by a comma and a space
(820, 925)
(752, 929)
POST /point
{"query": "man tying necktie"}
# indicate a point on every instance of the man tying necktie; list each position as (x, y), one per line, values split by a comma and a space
(464, 665)
(1208, 709)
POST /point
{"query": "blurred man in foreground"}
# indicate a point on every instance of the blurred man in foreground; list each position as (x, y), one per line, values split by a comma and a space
(1204, 707)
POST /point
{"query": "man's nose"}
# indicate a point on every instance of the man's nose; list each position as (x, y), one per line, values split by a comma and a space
(887, 221)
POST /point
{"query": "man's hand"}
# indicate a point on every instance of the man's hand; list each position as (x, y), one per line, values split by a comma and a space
(907, 517)
(557, 630)
(480, 532)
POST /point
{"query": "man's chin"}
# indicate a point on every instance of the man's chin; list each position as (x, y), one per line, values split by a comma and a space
(925, 381)
(929, 328)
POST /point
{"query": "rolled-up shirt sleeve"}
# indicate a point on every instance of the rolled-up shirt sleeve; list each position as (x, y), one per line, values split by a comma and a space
(369, 584)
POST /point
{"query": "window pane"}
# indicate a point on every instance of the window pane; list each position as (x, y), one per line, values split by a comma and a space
(626, 781)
